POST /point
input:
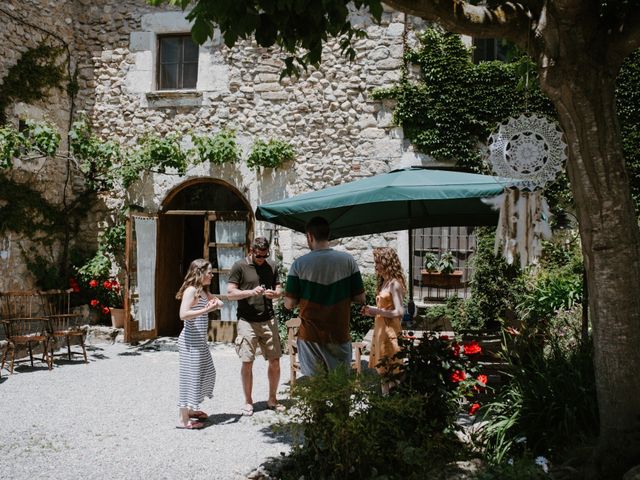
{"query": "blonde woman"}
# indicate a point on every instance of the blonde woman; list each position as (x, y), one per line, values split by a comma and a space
(388, 312)
(197, 373)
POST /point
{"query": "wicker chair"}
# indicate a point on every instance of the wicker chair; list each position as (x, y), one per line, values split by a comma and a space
(63, 323)
(24, 326)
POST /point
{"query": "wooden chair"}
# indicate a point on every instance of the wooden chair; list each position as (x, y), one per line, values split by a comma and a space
(24, 326)
(63, 323)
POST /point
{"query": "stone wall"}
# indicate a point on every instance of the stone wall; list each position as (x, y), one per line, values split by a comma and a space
(339, 133)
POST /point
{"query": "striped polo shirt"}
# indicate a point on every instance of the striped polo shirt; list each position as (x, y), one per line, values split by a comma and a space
(324, 281)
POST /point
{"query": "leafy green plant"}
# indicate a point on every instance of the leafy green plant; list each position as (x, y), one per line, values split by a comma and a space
(271, 154)
(11, 143)
(96, 157)
(445, 265)
(42, 137)
(548, 400)
(154, 153)
(219, 149)
(345, 429)
(361, 324)
(430, 262)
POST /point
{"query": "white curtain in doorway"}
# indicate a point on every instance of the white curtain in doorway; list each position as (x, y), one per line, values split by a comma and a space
(146, 233)
(229, 232)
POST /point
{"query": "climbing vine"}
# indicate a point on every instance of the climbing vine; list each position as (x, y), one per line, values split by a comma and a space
(271, 154)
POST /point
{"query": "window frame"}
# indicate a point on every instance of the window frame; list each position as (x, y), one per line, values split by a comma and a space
(180, 63)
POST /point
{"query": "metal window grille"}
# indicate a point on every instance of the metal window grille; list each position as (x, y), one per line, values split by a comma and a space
(461, 242)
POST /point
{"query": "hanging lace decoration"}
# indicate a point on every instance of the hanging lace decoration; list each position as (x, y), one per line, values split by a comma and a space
(529, 149)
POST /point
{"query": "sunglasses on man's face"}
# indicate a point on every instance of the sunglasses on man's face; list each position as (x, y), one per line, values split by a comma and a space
(257, 255)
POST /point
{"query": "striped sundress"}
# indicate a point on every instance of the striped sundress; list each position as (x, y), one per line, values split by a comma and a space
(197, 373)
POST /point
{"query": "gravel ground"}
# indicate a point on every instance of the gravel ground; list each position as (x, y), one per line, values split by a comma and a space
(115, 418)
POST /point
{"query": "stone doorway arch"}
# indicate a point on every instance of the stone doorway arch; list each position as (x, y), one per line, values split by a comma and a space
(191, 219)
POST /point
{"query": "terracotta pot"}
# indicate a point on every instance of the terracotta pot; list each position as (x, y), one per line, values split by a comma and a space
(117, 317)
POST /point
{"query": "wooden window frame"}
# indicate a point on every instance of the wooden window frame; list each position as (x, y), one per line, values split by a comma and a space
(181, 63)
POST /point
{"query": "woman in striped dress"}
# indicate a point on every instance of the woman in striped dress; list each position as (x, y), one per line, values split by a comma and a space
(197, 373)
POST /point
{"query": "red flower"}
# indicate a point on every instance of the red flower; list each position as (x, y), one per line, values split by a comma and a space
(93, 283)
(457, 376)
(94, 303)
(483, 379)
(472, 348)
(115, 285)
(105, 310)
(474, 408)
(456, 350)
(444, 337)
(107, 284)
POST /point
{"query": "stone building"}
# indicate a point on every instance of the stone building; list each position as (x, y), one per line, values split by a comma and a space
(127, 90)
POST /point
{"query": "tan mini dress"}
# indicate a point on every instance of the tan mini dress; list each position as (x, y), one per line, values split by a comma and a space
(384, 343)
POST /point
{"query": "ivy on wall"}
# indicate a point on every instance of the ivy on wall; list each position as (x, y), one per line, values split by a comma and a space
(457, 103)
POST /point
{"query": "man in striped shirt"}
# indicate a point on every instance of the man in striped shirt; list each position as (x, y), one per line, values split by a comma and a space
(324, 283)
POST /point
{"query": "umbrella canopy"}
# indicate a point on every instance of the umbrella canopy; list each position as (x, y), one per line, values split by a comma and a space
(398, 200)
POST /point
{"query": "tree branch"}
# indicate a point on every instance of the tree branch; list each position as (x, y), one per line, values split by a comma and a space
(509, 20)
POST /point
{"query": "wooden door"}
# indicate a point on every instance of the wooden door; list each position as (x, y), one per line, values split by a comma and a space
(140, 274)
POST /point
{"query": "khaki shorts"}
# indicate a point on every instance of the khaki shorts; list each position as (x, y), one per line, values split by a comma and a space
(252, 334)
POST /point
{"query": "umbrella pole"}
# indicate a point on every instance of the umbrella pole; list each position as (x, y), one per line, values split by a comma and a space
(411, 306)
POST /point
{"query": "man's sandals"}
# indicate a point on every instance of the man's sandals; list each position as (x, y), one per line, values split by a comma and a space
(278, 407)
(247, 410)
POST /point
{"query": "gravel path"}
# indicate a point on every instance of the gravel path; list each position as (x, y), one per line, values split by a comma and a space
(115, 418)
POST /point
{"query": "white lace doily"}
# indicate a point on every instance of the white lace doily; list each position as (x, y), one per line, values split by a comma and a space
(528, 148)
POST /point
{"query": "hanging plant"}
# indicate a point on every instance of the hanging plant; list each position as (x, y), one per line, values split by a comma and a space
(218, 149)
(11, 143)
(42, 138)
(271, 154)
(155, 154)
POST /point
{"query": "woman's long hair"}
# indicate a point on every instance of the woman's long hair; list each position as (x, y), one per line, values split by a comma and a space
(389, 265)
(193, 278)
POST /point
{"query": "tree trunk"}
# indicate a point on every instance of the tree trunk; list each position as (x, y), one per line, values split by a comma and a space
(611, 248)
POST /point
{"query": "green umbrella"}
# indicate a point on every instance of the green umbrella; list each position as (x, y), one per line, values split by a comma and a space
(398, 200)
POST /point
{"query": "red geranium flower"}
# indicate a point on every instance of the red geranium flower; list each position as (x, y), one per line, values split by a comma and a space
(115, 285)
(472, 348)
(107, 284)
(483, 379)
(457, 376)
(474, 408)
(93, 283)
(105, 310)
(94, 303)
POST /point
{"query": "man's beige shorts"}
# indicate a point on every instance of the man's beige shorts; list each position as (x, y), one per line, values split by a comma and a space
(252, 334)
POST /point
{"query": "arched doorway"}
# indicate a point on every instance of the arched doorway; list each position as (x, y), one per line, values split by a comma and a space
(202, 218)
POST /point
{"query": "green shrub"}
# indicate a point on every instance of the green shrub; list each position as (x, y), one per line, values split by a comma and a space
(549, 398)
(347, 430)
(361, 324)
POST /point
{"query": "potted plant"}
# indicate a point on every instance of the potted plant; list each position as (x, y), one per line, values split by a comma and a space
(440, 273)
(105, 297)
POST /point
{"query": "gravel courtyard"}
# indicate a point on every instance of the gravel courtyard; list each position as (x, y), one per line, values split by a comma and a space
(115, 418)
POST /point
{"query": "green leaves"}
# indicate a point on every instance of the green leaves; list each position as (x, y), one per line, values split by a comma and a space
(271, 154)
(11, 142)
(219, 149)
